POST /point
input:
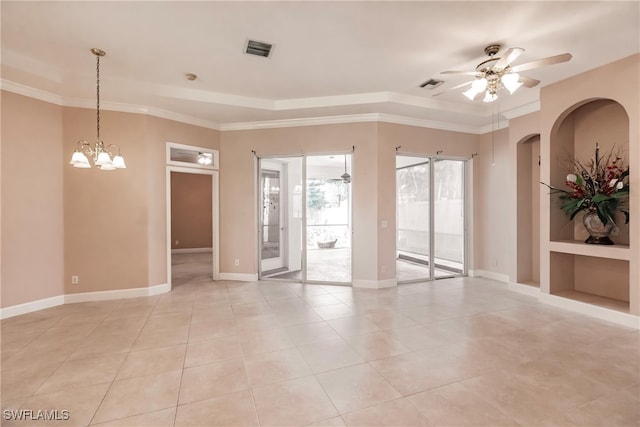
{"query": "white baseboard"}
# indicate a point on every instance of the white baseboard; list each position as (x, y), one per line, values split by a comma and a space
(32, 306)
(29, 307)
(613, 316)
(240, 277)
(524, 289)
(116, 294)
(375, 284)
(489, 275)
(191, 250)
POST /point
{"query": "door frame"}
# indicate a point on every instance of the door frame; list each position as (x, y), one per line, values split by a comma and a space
(281, 260)
(467, 211)
(259, 197)
(215, 215)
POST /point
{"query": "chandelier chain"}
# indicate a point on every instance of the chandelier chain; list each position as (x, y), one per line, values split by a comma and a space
(98, 96)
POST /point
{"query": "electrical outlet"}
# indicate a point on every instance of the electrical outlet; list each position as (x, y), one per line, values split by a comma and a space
(237, 262)
(75, 280)
(495, 262)
(383, 268)
(177, 242)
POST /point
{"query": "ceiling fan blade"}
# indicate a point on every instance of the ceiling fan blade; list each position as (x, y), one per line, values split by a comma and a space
(529, 82)
(464, 73)
(454, 88)
(542, 62)
(509, 56)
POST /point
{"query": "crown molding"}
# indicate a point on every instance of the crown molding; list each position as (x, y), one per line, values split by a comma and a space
(353, 118)
(292, 104)
(107, 106)
(522, 110)
(30, 92)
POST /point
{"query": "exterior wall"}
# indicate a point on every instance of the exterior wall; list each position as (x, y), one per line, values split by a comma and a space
(191, 214)
(32, 211)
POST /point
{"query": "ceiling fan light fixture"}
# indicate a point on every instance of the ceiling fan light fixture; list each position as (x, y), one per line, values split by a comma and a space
(490, 97)
(471, 93)
(511, 81)
(479, 85)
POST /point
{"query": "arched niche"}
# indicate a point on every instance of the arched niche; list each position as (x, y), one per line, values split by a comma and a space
(585, 271)
(528, 210)
(574, 135)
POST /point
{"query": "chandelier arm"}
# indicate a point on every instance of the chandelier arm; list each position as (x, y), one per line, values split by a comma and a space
(83, 145)
(108, 148)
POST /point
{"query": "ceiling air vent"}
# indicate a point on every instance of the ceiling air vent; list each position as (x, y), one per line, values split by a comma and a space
(258, 48)
(432, 83)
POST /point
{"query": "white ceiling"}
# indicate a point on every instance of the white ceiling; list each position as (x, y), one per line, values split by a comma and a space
(363, 60)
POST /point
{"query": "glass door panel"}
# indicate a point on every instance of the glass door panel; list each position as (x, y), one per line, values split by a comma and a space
(328, 218)
(413, 183)
(449, 220)
(281, 218)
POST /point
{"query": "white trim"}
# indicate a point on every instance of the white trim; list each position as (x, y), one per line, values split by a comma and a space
(375, 284)
(291, 104)
(30, 92)
(116, 294)
(191, 250)
(159, 289)
(356, 118)
(522, 110)
(499, 277)
(215, 153)
(52, 98)
(608, 315)
(241, 277)
(215, 214)
(29, 307)
(524, 289)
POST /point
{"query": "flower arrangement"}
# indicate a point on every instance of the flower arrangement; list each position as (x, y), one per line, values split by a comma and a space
(601, 186)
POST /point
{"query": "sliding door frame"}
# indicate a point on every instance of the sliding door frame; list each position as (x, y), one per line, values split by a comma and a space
(260, 197)
(432, 159)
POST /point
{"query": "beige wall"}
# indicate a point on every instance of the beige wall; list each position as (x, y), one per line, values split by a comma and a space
(558, 101)
(524, 191)
(238, 188)
(412, 140)
(493, 218)
(159, 132)
(32, 211)
(106, 220)
(191, 213)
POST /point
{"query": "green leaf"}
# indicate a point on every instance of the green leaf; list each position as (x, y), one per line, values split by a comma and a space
(620, 194)
(600, 198)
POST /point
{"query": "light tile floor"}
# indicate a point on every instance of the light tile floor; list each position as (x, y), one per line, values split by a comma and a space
(456, 352)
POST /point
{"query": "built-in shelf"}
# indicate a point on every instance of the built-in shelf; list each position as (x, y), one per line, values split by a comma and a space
(604, 302)
(576, 247)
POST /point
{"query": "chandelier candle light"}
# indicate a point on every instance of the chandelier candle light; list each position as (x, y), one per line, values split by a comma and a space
(104, 157)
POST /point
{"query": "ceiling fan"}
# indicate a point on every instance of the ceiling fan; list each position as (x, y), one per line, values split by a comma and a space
(345, 177)
(496, 73)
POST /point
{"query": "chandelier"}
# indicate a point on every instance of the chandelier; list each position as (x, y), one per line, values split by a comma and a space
(104, 157)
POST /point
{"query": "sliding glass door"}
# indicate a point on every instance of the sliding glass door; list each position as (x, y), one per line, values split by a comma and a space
(305, 218)
(328, 195)
(430, 208)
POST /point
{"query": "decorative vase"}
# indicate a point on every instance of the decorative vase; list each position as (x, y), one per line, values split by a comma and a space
(598, 232)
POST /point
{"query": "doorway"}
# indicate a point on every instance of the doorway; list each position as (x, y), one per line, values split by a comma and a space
(430, 218)
(305, 218)
(192, 212)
